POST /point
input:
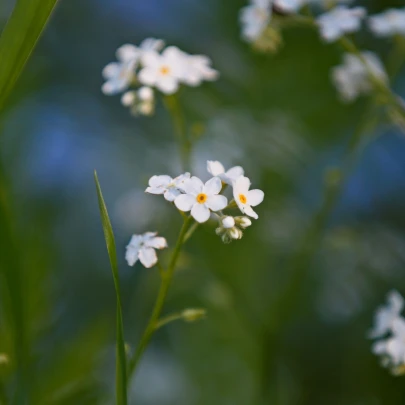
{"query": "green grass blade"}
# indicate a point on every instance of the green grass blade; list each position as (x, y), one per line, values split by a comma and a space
(121, 365)
(18, 39)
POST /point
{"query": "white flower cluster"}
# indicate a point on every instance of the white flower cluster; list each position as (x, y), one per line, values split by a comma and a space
(352, 77)
(333, 24)
(190, 194)
(389, 328)
(149, 66)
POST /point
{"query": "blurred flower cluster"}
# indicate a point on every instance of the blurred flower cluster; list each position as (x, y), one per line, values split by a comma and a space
(149, 67)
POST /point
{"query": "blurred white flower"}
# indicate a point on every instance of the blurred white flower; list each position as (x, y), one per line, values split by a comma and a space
(163, 71)
(390, 22)
(197, 69)
(392, 349)
(255, 18)
(170, 188)
(245, 198)
(385, 315)
(143, 247)
(217, 169)
(289, 6)
(119, 75)
(141, 101)
(339, 21)
(352, 77)
(200, 198)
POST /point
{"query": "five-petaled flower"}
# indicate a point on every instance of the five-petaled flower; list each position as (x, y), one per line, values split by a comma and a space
(217, 169)
(170, 188)
(143, 247)
(390, 22)
(339, 21)
(255, 18)
(200, 198)
(245, 198)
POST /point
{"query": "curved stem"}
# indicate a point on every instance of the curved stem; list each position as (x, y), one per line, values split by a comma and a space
(160, 300)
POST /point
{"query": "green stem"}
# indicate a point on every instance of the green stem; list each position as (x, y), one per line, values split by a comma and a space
(166, 279)
(173, 106)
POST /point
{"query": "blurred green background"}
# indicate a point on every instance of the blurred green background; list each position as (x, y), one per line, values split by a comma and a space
(276, 115)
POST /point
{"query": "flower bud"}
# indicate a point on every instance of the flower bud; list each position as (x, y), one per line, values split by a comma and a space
(193, 314)
(235, 233)
(243, 222)
(228, 222)
(128, 98)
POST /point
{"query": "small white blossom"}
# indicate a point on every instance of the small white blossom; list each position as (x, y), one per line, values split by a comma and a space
(119, 75)
(228, 222)
(245, 198)
(352, 78)
(217, 169)
(170, 188)
(143, 247)
(255, 18)
(339, 21)
(197, 69)
(392, 349)
(200, 198)
(385, 315)
(163, 71)
(390, 22)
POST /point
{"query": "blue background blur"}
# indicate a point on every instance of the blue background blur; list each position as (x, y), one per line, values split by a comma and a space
(276, 115)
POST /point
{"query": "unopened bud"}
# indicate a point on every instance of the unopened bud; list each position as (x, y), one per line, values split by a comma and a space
(193, 314)
(228, 222)
(235, 233)
(243, 222)
(128, 98)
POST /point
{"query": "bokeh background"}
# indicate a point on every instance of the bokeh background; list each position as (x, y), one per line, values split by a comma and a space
(276, 115)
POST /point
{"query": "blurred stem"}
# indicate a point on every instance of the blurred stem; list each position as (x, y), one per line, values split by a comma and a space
(166, 279)
(299, 263)
(10, 268)
(173, 106)
(397, 56)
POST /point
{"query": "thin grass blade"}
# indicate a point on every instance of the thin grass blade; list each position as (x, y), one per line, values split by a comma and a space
(121, 364)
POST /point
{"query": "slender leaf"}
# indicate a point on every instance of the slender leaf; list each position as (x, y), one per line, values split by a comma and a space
(121, 365)
(18, 39)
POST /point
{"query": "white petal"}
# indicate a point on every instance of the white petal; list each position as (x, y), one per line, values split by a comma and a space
(171, 194)
(157, 242)
(148, 257)
(212, 186)
(147, 76)
(111, 70)
(151, 59)
(200, 213)
(131, 255)
(215, 168)
(167, 84)
(398, 327)
(234, 172)
(249, 211)
(160, 181)
(396, 301)
(155, 190)
(396, 349)
(193, 186)
(241, 185)
(379, 347)
(255, 197)
(127, 52)
(184, 202)
(216, 202)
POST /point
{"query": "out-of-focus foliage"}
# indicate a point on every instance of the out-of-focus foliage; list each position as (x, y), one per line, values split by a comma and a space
(279, 117)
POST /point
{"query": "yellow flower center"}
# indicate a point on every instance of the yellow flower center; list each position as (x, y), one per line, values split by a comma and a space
(164, 70)
(242, 198)
(201, 198)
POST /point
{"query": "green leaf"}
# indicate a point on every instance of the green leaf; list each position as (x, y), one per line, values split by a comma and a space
(121, 364)
(18, 39)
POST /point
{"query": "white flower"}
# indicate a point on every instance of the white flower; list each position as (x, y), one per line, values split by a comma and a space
(200, 198)
(393, 348)
(390, 22)
(143, 247)
(119, 75)
(217, 169)
(197, 69)
(163, 71)
(255, 18)
(245, 198)
(385, 315)
(352, 77)
(170, 188)
(339, 21)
